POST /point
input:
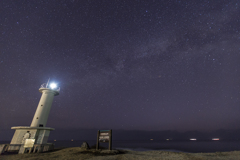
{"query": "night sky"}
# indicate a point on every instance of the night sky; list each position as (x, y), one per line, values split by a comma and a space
(121, 64)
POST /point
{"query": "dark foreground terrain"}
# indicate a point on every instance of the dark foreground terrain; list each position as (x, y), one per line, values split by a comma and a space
(80, 154)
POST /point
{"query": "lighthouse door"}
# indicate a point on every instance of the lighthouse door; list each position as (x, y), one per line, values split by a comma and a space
(26, 136)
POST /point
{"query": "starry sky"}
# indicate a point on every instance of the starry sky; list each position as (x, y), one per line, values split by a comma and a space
(129, 65)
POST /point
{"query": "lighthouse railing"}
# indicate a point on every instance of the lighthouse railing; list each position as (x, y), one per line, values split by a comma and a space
(44, 85)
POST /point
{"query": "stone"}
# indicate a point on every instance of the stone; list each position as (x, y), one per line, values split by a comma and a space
(110, 152)
(85, 145)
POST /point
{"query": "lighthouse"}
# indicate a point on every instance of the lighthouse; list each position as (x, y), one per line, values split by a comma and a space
(41, 115)
(37, 132)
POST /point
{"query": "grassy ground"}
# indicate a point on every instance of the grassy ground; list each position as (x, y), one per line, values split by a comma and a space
(81, 154)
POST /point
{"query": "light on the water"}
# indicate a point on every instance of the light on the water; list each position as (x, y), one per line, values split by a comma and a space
(193, 139)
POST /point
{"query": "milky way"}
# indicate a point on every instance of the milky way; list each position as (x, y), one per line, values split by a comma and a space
(133, 65)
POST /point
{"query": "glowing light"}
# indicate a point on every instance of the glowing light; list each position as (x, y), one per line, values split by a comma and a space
(53, 85)
(215, 139)
(193, 139)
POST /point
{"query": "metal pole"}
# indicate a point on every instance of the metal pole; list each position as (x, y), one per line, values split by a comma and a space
(97, 145)
(47, 82)
(110, 140)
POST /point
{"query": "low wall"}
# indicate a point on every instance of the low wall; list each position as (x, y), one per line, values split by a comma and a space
(37, 148)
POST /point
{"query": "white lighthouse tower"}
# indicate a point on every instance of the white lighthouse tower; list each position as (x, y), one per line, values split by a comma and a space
(41, 115)
(38, 132)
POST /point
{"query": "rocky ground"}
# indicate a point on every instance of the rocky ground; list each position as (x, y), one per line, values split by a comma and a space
(91, 154)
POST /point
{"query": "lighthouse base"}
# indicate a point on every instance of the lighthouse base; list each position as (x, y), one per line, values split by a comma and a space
(39, 134)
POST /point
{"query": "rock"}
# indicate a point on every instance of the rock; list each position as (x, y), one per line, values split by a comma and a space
(85, 145)
(110, 151)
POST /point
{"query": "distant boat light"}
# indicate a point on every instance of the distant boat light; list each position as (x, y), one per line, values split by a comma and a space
(193, 139)
(151, 139)
(215, 139)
